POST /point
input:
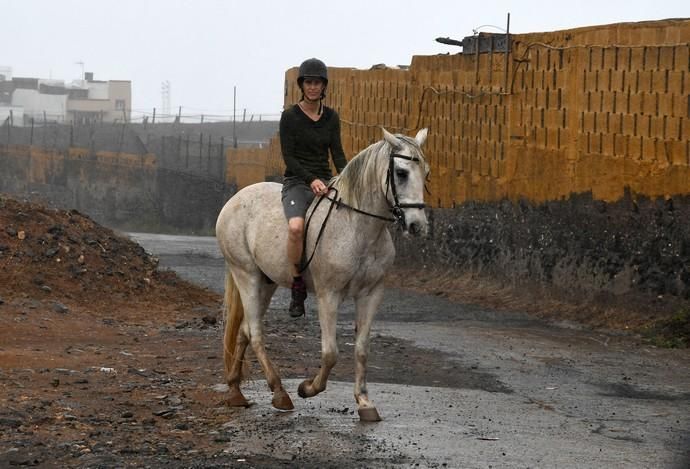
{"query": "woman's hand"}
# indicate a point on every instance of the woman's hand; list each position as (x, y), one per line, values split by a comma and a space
(318, 187)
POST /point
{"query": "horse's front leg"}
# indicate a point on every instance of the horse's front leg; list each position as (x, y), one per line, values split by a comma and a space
(366, 307)
(328, 312)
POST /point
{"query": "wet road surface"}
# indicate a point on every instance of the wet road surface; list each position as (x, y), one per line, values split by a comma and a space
(504, 390)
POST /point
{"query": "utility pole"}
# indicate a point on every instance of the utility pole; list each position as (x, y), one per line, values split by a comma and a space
(234, 116)
(165, 99)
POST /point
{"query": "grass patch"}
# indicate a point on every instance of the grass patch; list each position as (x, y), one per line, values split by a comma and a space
(673, 332)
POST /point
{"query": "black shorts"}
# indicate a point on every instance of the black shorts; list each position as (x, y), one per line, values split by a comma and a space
(296, 196)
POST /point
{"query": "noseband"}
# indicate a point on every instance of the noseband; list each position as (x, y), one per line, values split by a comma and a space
(397, 208)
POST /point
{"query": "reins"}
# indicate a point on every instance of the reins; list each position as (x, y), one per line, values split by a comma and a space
(304, 265)
(335, 202)
(396, 209)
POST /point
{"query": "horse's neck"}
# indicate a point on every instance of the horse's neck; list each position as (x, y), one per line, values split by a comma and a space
(365, 195)
(363, 228)
(372, 204)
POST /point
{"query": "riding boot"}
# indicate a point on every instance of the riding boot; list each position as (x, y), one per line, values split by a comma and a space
(299, 294)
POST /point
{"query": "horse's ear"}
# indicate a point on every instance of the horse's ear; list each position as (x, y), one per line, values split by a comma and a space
(421, 136)
(391, 139)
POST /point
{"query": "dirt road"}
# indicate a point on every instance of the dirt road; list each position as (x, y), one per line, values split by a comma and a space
(125, 370)
(465, 387)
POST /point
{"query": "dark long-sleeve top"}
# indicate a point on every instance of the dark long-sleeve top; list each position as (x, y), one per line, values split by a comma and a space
(305, 144)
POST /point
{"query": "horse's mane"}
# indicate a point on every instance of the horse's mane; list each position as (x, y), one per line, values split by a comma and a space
(360, 179)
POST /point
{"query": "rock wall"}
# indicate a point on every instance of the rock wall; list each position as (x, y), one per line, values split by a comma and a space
(580, 247)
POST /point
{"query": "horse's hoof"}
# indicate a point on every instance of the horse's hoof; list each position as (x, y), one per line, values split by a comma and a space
(236, 399)
(368, 414)
(302, 389)
(281, 400)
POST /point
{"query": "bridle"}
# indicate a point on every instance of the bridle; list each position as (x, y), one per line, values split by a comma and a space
(396, 209)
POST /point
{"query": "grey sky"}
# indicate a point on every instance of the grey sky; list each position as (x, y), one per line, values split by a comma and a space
(204, 47)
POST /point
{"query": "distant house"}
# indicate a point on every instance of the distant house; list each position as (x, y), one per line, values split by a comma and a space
(7, 110)
(81, 102)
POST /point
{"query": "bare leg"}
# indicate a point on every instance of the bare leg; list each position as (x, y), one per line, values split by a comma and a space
(294, 243)
(328, 313)
(366, 307)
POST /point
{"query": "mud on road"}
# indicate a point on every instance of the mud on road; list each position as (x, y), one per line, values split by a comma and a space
(107, 360)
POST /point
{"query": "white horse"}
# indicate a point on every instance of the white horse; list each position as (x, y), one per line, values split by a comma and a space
(350, 259)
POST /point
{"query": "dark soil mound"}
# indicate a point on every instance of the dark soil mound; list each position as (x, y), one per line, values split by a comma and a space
(67, 256)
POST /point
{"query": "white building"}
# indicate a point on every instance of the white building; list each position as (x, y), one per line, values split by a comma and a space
(7, 111)
(40, 99)
(82, 101)
(13, 114)
(106, 101)
(5, 73)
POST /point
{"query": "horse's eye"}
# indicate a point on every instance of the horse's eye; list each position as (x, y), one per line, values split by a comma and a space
(401, 174)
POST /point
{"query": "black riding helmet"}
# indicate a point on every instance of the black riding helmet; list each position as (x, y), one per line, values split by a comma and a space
(313, 68)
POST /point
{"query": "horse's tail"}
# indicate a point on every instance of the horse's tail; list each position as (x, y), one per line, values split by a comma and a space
(233, 311)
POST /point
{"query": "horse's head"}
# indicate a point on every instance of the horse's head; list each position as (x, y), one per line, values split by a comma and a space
(404, 181)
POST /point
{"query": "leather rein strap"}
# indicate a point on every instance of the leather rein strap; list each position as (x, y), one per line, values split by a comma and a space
(396, 209)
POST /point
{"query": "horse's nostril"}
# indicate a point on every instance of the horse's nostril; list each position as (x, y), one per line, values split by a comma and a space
(414, 228)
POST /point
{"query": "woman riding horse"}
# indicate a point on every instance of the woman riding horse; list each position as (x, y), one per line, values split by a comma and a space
(308, 130)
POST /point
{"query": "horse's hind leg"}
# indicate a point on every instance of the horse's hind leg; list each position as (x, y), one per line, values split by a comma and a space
(234, 372)
(366, 307)
(256, 297)
(235, 341)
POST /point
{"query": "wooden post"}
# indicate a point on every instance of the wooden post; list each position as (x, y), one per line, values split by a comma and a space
(31, 136)
(506, 63)
(208, 156)
(154, 116)
(234, 114)
(476, 56)
(222, 161)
